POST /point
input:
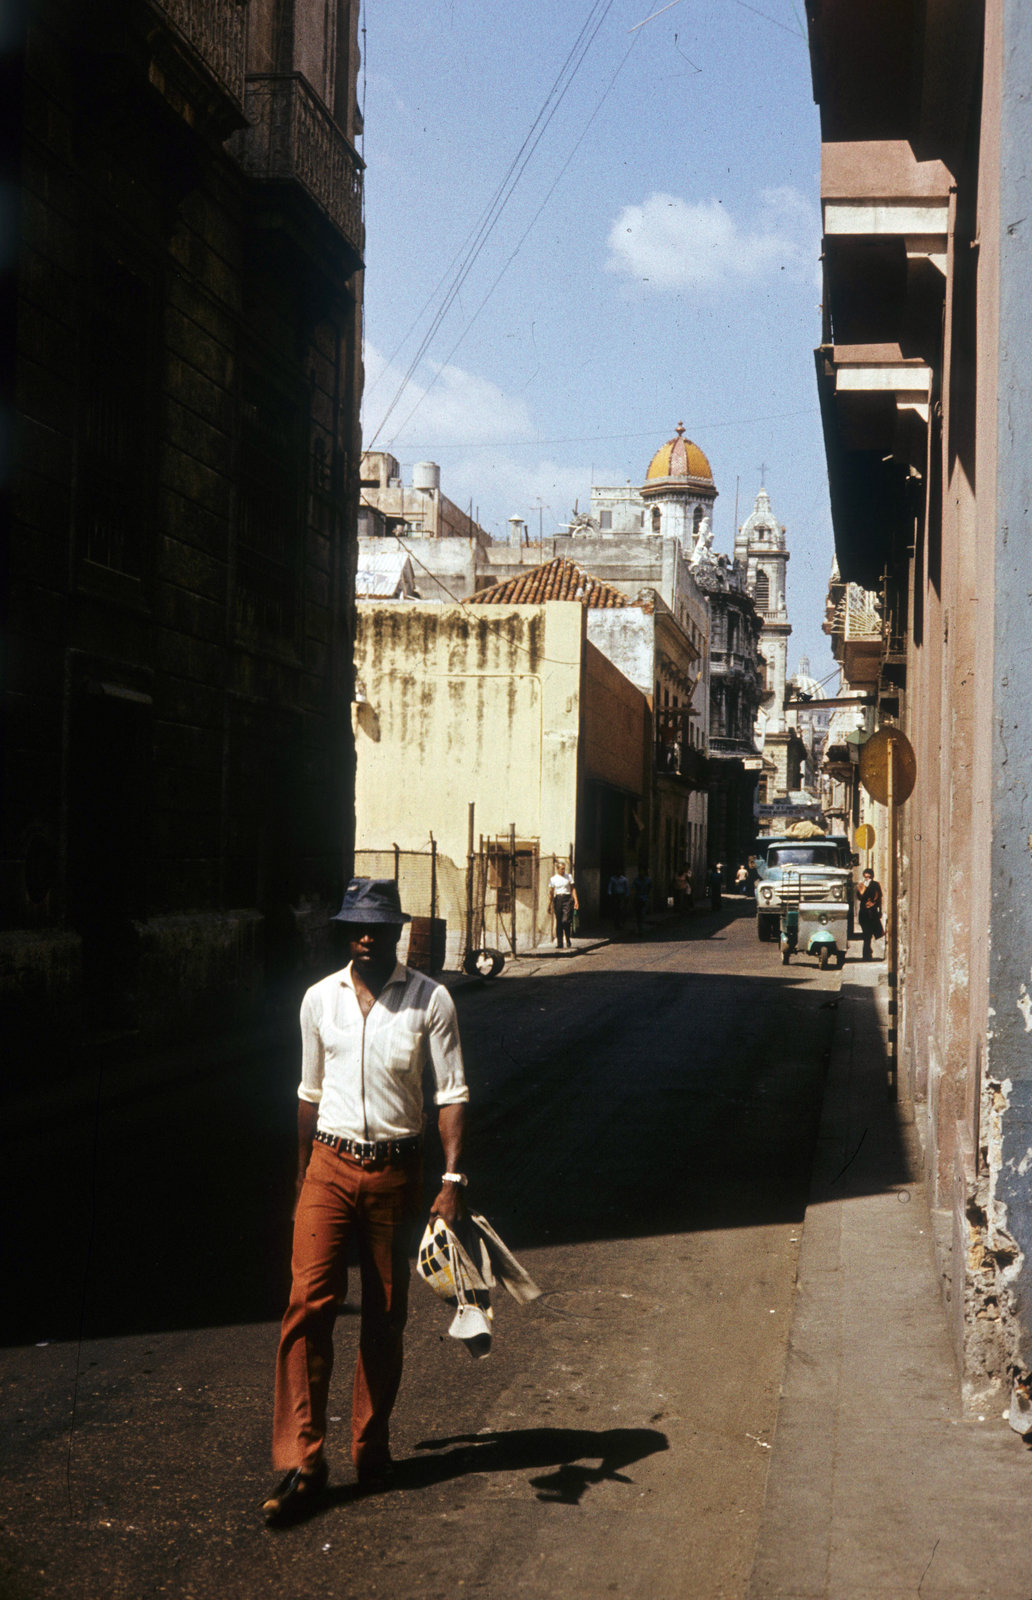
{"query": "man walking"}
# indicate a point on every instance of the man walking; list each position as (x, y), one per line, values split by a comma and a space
(562, 902)
(869, 905)
(366, 1033)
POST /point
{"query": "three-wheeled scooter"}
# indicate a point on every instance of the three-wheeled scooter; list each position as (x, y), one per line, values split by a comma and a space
(815, 927)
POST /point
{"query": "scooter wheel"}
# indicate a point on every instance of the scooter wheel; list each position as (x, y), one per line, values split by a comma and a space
(822, 958)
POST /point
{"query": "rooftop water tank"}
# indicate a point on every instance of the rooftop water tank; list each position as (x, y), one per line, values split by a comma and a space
(426, 475)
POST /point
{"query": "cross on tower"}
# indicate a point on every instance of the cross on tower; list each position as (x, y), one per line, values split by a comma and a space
(763, 474)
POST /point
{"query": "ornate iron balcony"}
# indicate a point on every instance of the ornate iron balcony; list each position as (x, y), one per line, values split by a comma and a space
(214, 31)
(292, 139)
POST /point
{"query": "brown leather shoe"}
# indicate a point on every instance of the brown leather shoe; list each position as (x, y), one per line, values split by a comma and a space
(299, 1494)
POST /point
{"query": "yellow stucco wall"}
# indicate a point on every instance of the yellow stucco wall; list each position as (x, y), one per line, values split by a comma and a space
(468, 704)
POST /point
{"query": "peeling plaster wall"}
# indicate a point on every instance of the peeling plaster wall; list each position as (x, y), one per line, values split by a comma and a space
(1008, 1063)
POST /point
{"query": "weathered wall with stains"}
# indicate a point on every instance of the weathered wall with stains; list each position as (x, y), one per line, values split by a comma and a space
(1008, 1055)
(468, 705)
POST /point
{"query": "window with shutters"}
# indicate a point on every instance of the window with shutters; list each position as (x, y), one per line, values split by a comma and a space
(762, 591)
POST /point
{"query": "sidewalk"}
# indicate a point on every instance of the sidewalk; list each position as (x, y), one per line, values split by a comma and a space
(879, 1487)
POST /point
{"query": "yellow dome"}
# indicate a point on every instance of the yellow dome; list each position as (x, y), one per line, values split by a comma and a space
(679, 458)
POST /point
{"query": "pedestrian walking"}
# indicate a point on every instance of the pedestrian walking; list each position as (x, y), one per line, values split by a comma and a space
(681, 891)
(562, 903)
(742, 879)
(366, 1033)
(714, 885)
(641, 890)
(619, 891)
(869, 905)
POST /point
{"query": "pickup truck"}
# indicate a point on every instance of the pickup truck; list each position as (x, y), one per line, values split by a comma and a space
(825, 868)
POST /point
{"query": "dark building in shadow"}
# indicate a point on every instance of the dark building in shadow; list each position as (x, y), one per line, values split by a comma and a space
(177, 745)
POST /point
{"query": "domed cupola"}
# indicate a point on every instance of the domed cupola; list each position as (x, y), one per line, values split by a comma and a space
(679, 491)
(681, 460)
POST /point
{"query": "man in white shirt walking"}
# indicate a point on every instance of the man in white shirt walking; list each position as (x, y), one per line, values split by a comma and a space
(366, 1032)
(562, 902)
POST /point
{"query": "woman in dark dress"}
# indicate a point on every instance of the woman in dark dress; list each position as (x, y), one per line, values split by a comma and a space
(869, 904)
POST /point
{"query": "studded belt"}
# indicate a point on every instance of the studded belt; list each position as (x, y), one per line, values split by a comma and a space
(371, 1150)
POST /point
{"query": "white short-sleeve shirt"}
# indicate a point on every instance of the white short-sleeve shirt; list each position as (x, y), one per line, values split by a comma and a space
(365, 1073)
(560, 883)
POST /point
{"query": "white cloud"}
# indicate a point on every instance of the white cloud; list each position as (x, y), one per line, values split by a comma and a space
(451, 407)
(672, 243)
(472, 422)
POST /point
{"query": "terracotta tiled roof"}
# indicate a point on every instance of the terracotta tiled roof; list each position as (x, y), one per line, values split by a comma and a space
(556, 580)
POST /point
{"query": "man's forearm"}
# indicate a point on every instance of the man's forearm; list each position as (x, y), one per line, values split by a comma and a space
(451, 1124)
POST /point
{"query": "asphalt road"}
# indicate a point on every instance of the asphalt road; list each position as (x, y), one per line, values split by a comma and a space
(643, 1126)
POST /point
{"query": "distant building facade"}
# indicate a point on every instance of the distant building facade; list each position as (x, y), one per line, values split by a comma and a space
(177, 746)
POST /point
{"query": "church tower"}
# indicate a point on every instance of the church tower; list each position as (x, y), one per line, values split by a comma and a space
(761, 553)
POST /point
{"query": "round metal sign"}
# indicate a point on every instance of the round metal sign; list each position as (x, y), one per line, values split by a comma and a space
(864, 837)
(888, 744)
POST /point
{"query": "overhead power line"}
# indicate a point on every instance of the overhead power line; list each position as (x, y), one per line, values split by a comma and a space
(604, 438)
(475, 243)
(523, 237)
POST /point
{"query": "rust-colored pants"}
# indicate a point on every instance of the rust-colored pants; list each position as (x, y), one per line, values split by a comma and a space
(375, 1204)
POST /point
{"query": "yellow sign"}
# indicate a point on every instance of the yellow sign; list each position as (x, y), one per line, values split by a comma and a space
(864, 836)
(888, 754)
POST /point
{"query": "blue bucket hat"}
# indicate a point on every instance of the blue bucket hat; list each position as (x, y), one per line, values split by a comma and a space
(372, 900)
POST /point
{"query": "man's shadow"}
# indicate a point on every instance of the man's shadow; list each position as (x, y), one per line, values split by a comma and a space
(523, 1448)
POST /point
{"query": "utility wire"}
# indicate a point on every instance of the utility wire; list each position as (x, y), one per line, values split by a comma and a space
(523, 238)
(577, 54)
(605, 438)
(498, 199)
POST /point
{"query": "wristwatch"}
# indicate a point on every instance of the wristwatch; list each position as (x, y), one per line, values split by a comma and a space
(454, 1177)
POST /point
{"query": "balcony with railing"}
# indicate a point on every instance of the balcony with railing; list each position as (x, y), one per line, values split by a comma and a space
(209, 39)
(861, 636)
(293, 142)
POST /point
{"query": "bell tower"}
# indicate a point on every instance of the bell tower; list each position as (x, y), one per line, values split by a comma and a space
(760, 551)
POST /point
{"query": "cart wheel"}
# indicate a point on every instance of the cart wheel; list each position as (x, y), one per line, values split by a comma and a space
(483, 963)
(822, 958)
(841, 959)
(785, 954)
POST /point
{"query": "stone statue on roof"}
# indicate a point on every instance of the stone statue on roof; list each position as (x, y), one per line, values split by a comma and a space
(703, 551)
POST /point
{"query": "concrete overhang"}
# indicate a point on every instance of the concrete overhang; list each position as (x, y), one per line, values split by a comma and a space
(883, 370)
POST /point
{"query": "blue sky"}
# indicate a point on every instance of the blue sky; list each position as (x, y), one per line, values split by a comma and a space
(672, 273)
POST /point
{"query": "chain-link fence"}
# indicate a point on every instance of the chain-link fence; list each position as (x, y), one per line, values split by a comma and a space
(497, 899)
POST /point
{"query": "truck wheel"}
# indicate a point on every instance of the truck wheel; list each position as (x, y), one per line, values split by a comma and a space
(785, 958)
(822, 958)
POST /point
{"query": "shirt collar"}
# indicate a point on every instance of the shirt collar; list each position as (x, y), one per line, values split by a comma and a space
(399, 975)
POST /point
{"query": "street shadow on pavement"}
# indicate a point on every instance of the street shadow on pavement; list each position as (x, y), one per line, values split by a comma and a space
(522, 1450)
(609, 1102)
